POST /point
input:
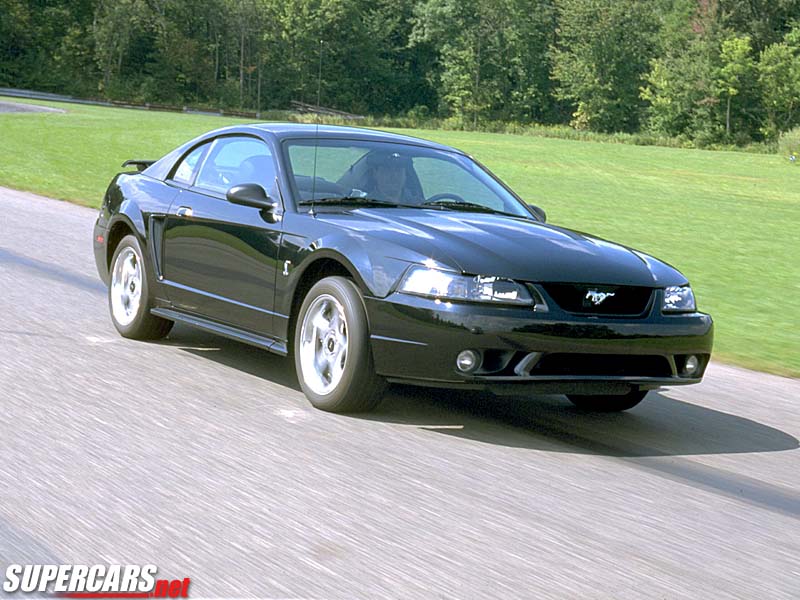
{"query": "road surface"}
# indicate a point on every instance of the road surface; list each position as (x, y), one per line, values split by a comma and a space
(6, 107)
(201, 456)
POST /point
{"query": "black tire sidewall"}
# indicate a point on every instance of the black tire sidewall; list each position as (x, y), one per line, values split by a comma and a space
(358, 379)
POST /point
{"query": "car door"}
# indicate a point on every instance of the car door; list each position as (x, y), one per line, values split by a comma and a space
(219, 259)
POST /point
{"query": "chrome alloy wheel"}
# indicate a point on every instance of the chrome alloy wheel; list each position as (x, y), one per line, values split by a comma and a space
(126, 286)
(323, 345)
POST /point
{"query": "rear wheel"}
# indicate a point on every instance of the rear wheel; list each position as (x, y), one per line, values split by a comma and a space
(600, 403)
(129, 294)
(332, 352)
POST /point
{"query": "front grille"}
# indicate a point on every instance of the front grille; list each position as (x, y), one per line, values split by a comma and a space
(588, 299)
(603, 364)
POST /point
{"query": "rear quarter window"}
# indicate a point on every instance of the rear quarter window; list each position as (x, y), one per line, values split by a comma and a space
(187, 168)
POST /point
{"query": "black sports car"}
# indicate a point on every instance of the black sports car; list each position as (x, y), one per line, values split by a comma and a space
(373, 257)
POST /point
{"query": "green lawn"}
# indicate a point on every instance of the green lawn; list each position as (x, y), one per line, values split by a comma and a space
(728, 220)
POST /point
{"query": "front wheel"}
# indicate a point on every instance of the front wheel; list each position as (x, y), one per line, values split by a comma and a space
(332, 352)
(600, 403)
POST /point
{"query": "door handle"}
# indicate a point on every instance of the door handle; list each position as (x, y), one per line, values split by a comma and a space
(184, 211)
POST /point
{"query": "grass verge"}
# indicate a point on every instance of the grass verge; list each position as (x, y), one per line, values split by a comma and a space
(728, 220)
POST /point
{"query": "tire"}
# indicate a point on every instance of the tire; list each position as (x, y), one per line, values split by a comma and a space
(332, 352)
(599, 403)
(129, 294)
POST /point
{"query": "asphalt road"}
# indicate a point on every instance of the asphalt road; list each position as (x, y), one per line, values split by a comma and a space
(25, 108)
(201, 456)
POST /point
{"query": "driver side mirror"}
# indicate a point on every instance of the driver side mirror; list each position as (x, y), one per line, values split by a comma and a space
(253, 195)
(539, 212)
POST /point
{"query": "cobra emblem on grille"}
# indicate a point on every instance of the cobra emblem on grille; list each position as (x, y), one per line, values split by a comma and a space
(596, 297)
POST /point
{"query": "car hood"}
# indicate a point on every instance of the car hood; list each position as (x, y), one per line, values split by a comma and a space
(517, 248)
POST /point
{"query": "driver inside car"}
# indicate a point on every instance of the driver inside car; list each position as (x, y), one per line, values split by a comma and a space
(387, 176)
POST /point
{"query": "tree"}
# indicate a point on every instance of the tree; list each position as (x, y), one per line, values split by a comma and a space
(16, 32)
(706, 70)
(601, 52)
(31, 37)
(399, 79)
(492, 56)
(779, 76)
(113, 27)
(680, 87)
(737, 70)
(765, 21)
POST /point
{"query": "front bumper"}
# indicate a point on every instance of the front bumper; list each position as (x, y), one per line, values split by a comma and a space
(416, 340)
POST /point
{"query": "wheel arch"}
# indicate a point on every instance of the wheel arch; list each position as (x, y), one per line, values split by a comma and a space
(118, 229)
(323, 263)
(121, 225)
(359, 388)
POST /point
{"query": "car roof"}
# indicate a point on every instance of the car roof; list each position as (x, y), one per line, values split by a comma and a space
(283, 131)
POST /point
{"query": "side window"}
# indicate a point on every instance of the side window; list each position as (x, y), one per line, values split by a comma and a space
(188, 166)
(235, 160)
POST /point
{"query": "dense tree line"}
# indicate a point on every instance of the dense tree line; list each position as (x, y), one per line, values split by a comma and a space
(707, 70)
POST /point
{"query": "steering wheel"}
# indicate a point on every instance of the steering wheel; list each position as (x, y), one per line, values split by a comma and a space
(444, 196)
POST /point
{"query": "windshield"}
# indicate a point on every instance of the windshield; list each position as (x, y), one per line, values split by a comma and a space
(395, 175)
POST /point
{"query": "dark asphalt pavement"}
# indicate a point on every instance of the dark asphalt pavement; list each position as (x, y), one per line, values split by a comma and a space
(201, 456)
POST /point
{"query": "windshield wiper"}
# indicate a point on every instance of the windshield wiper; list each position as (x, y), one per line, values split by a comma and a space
(349, 200)
(467, 207)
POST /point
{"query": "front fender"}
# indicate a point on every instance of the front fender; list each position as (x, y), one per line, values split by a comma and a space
(375, 264)
(373, 272)
(374, 267)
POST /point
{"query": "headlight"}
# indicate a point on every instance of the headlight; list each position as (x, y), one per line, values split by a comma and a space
(678, 299)
(432, 283)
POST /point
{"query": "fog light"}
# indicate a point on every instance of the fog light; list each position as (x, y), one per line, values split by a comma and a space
(691, 365)
(467, 361)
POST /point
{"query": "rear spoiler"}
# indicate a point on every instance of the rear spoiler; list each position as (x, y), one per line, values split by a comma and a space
(140, 165)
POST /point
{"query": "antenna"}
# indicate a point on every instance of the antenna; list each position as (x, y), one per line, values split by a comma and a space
(319, 76)
(316, 132)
